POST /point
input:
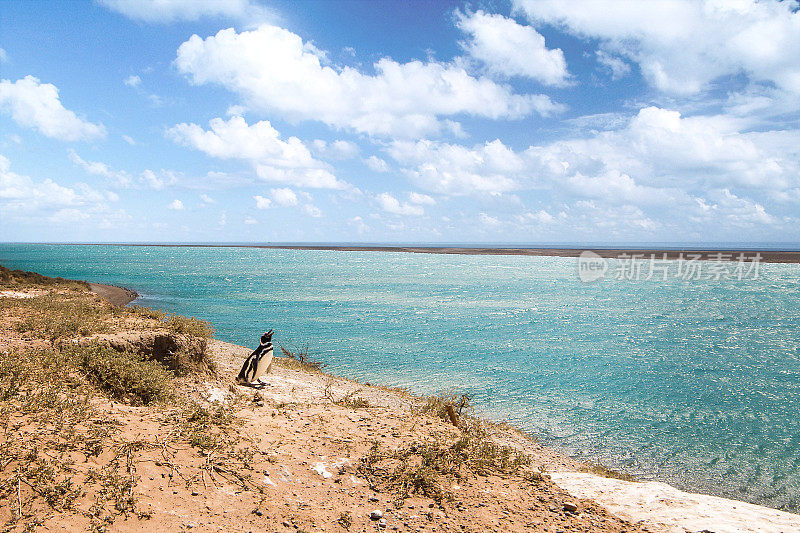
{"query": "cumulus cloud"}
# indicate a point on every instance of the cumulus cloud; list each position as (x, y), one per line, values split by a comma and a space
(615, 65)
(166, 11)
(707, 168)
(390, 204)
(312, 211)
(132, 81)
(335, 149)
(376, 164)
(120, 178)
(417, 198)
(274, 71)
(681, 46)
(260, 144)
(33, 104)
(488, 220)
(176, 205)
(511, 49)
(650, 159)
(457, 170)
(22, 195)
(539, 217)
(284, 196)
(262, 202)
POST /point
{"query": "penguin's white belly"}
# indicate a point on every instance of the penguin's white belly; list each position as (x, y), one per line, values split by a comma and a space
(262, 365)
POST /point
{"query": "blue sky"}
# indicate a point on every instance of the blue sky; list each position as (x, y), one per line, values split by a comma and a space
(527, 121)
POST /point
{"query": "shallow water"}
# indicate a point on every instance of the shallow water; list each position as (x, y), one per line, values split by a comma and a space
(693, 382)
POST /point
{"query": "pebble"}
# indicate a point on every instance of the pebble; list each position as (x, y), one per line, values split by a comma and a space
(377, 514)
(373, 499)
(571, 507)
(382, 522)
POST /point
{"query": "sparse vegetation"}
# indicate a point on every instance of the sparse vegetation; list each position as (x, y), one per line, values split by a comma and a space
(345, 520)
(48, 414)
(23, 279)
(55, 315)
(420, 467)
(126, 376)
(299, 360)
(189, 326)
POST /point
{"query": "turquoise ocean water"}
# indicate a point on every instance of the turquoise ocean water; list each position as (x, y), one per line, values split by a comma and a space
(692, 382)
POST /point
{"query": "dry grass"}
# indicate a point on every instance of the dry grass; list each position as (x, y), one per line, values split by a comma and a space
(298, 359)
(59, 315)
(189, 326)
(50, 427)
(426, 468)
(23, 279)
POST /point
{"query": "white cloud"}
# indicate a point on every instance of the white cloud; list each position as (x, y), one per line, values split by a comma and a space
(235, 110)
(376, 164)
(97, 168)
(274, 71)
(176, 205)
(682, 46)
(36, 105)
(128, 139)
(312, 211)
(539, 217)
(284, 197)
(417, 198)
(206, 199)
(615, 65)
(260, 144)
(390, 204)
(511, 49)
(166, 11)
(133, 81)
(455, 169)
(710, 169)
(335, 149)
(3, 56)
(655, 156)
(262, 203)
(20, 195)
(121, 178)
(158, 181)
(487, 220)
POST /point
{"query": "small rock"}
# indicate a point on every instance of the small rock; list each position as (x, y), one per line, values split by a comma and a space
(571, 507)
(258, 512)
(373, 499)
(377, 514)
(382, 522)
(195, 493)
(286, 524)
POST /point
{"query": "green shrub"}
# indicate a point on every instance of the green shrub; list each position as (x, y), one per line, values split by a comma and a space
(189, 326)
(125, 375)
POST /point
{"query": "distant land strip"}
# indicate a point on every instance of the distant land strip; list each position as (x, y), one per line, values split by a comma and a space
(764, 256)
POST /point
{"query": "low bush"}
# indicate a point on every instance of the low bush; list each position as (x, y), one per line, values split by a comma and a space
(125, 375)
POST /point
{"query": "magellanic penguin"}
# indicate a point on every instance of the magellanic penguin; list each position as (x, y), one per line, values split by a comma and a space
(257, 363)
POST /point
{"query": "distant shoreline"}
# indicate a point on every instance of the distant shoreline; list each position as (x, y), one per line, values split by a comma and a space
(729, 254)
